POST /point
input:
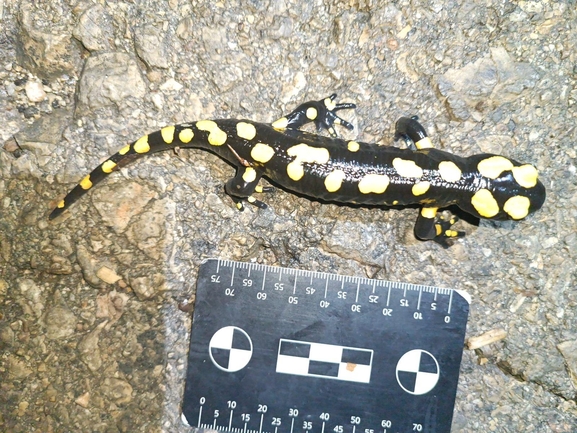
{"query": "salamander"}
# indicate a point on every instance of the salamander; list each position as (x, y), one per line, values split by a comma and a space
(346, 171)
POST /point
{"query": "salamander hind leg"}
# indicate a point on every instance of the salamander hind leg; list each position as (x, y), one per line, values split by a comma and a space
(242, 187)
(431, 225)
(322, 113)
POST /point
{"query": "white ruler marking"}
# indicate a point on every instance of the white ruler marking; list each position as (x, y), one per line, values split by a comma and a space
(232, 275)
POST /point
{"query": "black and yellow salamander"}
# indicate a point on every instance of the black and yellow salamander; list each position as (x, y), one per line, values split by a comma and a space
(335, 170)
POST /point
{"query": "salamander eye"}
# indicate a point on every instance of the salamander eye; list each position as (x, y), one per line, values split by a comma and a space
(536, 196)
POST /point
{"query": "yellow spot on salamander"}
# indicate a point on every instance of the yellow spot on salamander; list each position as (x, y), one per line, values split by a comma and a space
(517, 207)
(262, 152)
(526, 175)
(374, 183)
(420, 188)
(424, 143)
(331, 105)
(334, 180)
(438, 229)
(429, 212)
(141, 145)
(124, 150)
(61, 204)
(86, 183)
(485, 204)
(449, 171)
(312, 113)
(167, 134)
(303, 153)
(407, 168)
(281, 123)
(353, 146)
(186, 135)
(451, 233)
(249, 175)
(216, 136)
(493, 166)
(108, 166)
(245, 130)
(295, 170)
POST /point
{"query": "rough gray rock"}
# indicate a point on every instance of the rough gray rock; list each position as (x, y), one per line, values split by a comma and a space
(108, 78)
(45, 45)
(94, 29)
(485, 84)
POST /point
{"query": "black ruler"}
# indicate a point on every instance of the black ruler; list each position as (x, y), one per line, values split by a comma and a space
(277, 350)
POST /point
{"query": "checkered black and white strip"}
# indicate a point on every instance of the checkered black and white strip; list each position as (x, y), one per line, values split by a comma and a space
(304, 358)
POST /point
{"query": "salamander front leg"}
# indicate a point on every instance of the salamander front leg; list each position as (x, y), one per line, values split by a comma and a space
(436, 227)
(241, 187)
(409, 129)
(321, 112)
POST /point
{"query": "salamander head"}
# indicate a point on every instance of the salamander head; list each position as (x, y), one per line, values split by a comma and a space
(507, 189)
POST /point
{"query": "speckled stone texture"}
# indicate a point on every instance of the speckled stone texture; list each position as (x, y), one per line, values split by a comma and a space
(91, 336)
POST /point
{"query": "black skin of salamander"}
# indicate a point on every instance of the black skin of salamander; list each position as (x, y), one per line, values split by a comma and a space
(368, 159)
